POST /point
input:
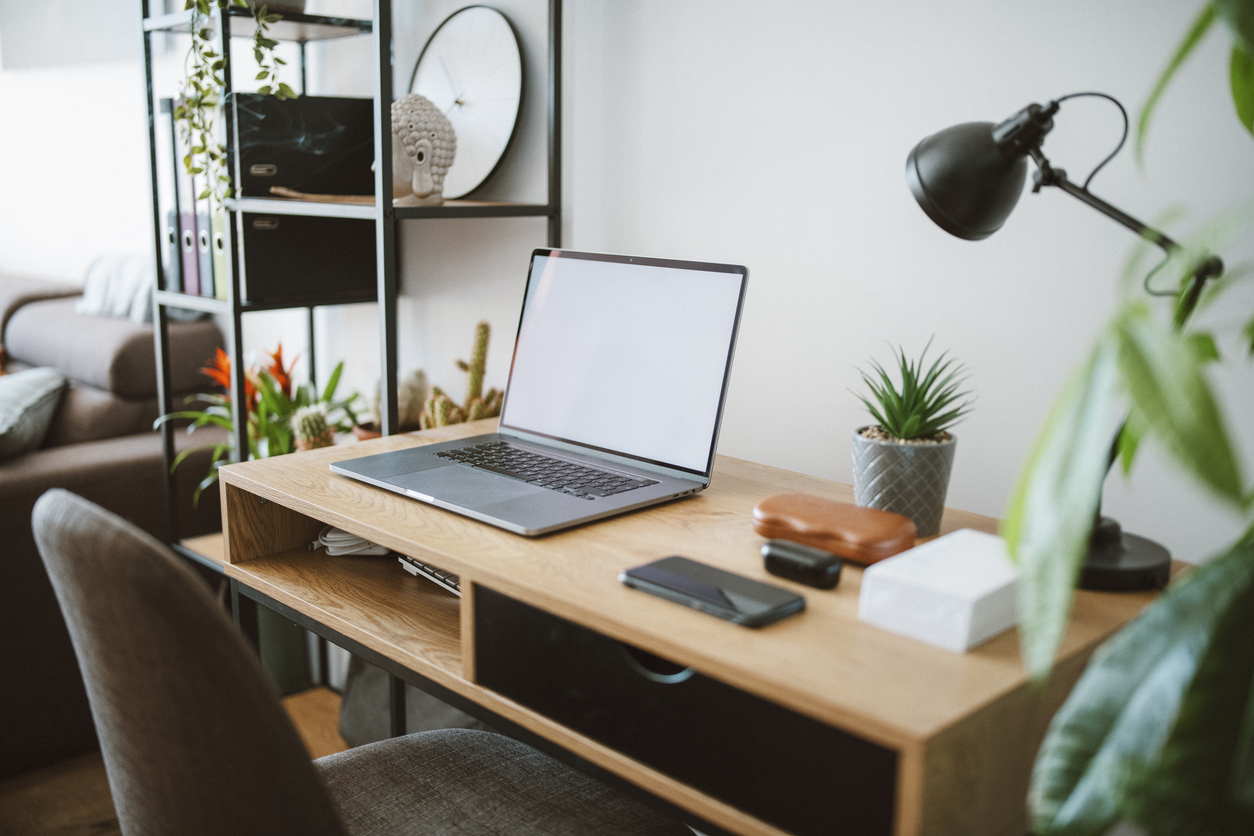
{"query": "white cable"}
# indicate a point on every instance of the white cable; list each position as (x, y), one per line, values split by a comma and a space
(339, 542)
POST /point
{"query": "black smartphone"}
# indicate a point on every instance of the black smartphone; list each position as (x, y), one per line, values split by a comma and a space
(734, 597)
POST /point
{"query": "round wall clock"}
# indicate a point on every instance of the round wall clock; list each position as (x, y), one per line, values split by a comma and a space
(471, 69)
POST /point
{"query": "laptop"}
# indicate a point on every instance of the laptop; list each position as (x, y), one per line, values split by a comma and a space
(615, 395)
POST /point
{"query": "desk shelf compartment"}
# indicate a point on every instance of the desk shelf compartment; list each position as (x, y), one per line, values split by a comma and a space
(787, 769)
(369, 599)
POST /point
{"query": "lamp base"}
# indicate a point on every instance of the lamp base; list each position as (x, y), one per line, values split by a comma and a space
(1120, 562)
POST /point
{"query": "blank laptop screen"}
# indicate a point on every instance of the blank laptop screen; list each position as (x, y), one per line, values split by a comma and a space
(628, 356)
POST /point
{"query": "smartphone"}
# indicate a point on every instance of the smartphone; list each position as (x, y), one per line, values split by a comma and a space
(734, 597)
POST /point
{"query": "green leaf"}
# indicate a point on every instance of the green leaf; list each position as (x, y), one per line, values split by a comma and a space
(1097, 762)
(1248, 333)
(1241, 80)
(1051, 514)
(264, 90)
(1239, 15)
(1201, 25)
(203, 195)
(1203, 347)
(1134, 428)
(286, 91)
(262, 74)
(329, 391)
(1200, 779)
(1164, 377)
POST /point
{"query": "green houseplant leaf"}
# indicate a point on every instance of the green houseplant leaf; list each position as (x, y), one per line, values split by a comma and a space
(1200, 26)
(1163, 373)
(1051, 515)
(1148, 722)
(1241, 79)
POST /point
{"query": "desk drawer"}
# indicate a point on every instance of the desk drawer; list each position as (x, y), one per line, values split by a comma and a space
(787, 769)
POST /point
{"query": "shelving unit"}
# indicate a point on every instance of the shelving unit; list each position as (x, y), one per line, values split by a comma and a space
(302, 29)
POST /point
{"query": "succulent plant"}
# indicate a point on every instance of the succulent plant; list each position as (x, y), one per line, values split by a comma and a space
(311, 428)
(927, 401)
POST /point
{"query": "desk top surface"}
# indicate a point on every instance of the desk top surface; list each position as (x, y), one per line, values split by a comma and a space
(823, 662)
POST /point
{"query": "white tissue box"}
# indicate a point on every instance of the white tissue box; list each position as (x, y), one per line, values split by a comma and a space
(954, 592)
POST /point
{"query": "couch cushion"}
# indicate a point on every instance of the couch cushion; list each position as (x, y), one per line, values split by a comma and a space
(90, 414)
(28, 401)
(112, 354)
(16, 291)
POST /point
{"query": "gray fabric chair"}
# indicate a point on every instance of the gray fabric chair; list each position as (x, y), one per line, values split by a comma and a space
(195, 740)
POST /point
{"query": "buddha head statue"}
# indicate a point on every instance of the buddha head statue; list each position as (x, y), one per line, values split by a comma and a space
(423, 147)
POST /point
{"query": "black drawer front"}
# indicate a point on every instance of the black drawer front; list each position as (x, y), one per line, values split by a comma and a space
(295, 258)
(790, 770)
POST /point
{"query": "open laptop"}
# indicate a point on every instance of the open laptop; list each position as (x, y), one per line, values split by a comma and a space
(614, 399)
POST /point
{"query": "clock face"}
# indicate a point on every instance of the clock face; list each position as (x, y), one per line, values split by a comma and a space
(471, 69)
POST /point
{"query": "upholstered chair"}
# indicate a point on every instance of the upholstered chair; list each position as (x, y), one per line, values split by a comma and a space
(196, 742)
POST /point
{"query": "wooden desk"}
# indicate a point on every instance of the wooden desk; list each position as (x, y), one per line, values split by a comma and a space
(964, 728)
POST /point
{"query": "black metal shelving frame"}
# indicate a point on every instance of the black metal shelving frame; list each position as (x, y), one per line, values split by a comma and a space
(302, 29)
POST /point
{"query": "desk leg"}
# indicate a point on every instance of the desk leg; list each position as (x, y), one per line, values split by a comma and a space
(396, 705)
(245, 612)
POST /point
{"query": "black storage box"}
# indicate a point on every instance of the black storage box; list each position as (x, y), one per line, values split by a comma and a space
(306, 260)
(313, 144)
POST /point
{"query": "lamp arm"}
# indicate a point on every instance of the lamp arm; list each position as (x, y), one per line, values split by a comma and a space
(1211, 267)
(1047, 175)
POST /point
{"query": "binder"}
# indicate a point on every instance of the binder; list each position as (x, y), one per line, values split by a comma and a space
(174, 256)
(204, 248)
(217, 228)
(185, 194)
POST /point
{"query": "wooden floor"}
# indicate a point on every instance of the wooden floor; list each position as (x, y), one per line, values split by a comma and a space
(72, 798)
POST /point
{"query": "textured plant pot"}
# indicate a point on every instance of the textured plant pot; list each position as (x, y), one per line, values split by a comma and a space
(907, 479)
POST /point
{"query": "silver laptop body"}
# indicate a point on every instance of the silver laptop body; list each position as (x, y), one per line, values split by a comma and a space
(620, 366)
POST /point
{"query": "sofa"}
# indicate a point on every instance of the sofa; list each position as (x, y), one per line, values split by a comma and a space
(79, 416)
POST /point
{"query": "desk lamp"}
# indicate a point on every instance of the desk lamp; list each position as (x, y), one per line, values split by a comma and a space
(968, 179)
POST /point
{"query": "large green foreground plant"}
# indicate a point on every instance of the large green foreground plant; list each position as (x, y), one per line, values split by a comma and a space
(1160, 729)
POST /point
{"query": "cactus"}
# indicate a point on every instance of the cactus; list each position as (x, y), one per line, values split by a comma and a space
(440, 410)
(478, 363)
(309, 426)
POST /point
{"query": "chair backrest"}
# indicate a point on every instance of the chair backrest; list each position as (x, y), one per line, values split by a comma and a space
(193, 735)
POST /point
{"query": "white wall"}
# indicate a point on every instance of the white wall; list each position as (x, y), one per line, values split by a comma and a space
(773, 135)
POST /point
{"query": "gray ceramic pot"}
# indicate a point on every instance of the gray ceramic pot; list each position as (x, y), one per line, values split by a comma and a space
(908, 479)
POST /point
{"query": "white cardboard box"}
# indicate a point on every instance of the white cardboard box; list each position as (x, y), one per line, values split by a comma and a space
(954, 592)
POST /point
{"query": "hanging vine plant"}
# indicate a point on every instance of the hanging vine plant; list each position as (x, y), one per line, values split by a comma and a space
(201, 93)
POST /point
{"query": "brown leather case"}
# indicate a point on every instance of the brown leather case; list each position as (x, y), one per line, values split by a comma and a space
(863, 535)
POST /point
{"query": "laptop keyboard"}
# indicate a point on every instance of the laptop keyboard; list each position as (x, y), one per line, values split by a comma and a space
(544, 471)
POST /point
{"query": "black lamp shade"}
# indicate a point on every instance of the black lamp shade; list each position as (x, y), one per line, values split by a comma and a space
(964, 181)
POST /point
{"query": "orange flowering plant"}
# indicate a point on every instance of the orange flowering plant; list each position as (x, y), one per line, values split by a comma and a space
(270, 401)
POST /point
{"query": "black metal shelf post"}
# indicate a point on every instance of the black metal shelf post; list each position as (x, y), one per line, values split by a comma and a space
(303, 28)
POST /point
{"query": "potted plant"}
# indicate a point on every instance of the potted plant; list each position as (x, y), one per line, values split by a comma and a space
(1158, 733)
(902, 463)
(200, 94)
(282, 417)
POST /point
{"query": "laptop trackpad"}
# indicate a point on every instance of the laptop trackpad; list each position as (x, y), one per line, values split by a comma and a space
(465, 486)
